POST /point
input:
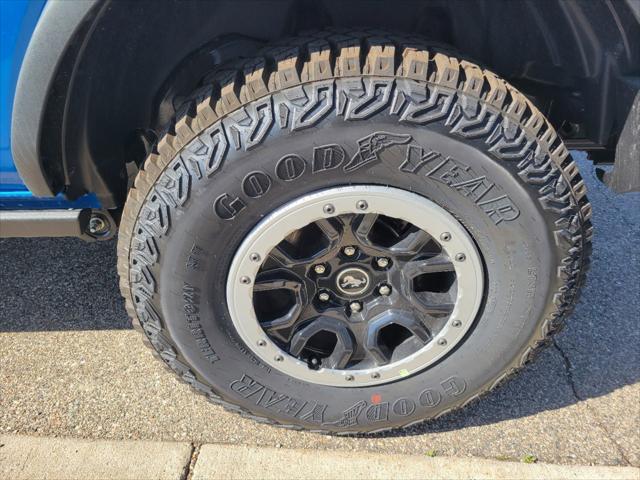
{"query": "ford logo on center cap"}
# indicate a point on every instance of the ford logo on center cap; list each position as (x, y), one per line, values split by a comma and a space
(352, 281)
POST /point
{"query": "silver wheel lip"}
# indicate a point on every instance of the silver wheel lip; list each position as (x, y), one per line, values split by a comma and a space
(390, 201)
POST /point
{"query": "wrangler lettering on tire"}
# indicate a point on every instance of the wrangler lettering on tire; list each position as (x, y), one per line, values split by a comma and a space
(353, 232)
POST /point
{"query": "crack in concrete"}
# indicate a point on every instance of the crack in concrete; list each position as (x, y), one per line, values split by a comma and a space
(568, 367)
(193, 458)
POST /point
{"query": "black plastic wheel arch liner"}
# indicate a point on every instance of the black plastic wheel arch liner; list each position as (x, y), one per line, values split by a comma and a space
(625, 176)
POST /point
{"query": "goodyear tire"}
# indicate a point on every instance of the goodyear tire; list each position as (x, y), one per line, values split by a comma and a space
(318, 115)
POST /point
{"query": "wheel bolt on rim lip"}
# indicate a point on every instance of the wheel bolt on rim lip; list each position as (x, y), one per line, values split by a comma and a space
(390, 202)
(329, 209)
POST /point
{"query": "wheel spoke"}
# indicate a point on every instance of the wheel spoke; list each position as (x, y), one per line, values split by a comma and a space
(430, 305)
(381, 349)
(415, 326)
(277, 284)
(329, 230)
(435, 264)
(277, 326)
(412, 243)
(344, 346)
(428, 297)
(283, 258)
(437, 310)
(268, 284)
(364, 226)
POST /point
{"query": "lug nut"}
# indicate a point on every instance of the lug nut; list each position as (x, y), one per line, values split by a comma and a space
(355, 306)
(323, 296)
(319, 269)
(384, 290)
(382, 262)
(349, 251)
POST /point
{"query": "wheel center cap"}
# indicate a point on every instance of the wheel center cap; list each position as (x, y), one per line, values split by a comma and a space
(352, 281)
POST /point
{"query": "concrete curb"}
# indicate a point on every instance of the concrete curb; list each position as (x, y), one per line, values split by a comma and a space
(29, 458)
(26, 458)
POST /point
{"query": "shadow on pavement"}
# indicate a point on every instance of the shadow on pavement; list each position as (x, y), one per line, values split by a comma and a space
(49, 284)
(67, 284)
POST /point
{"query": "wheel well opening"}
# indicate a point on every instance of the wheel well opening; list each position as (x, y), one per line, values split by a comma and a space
(119, 89)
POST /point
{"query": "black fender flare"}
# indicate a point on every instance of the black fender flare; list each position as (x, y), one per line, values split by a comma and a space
(53, 34)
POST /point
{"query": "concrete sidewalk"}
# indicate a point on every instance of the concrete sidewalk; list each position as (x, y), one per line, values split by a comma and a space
(28, 458)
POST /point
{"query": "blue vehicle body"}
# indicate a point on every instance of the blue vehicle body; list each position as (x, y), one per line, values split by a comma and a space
(18, 19)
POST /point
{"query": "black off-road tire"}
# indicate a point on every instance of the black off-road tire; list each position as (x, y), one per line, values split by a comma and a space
(289, 122)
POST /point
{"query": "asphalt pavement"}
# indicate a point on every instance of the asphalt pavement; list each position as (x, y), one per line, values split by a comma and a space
(70, 364)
